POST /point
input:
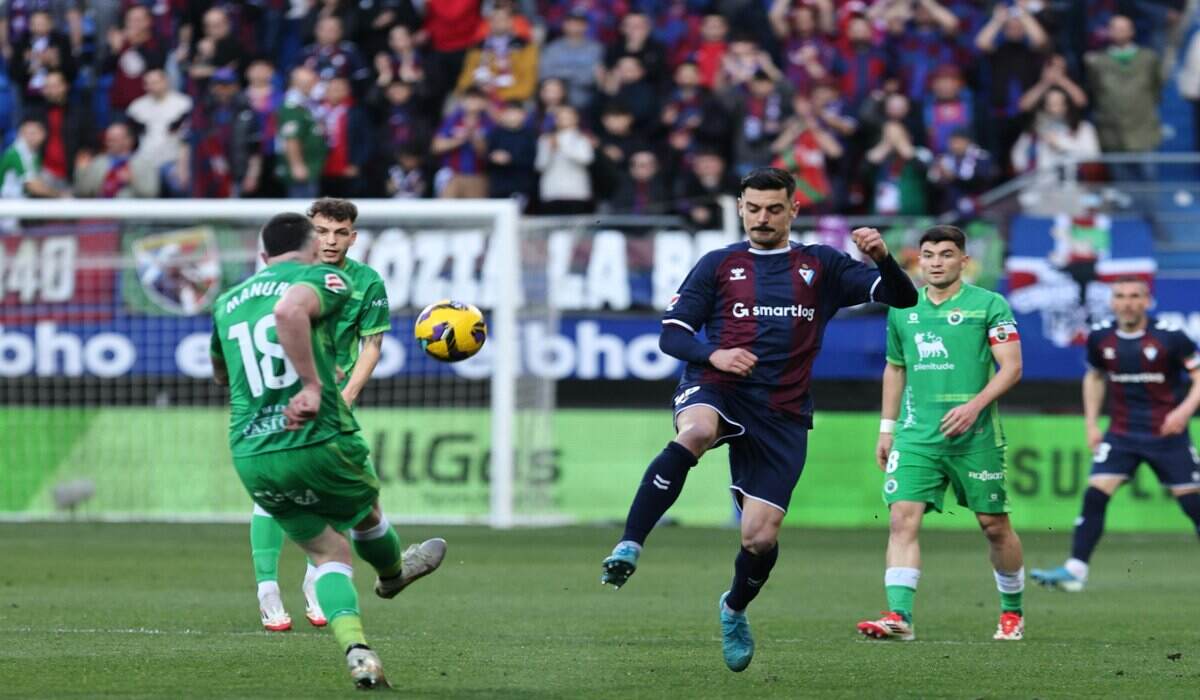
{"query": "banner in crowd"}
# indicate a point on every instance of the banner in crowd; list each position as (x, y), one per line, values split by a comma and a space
(174, 463)
(93, 299)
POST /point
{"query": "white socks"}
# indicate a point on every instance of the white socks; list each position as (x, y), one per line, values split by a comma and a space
(901, 576)
(268, 587)
(1010, 583)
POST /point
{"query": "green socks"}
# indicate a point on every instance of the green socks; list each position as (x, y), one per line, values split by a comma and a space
(339, 600)
(901, 585)
(379, 547)
(266, 541)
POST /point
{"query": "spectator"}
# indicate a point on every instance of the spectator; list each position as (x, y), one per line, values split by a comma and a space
(861, 64)
(512, 151)
(1054, 75)
(947, 109)
(265, 99)
(504, 66)
(743, 61)
(222, 157)
(899, 180)
(960, 174)
(640, 190)
(808, 54)
(331, 57)
(69, 129)
(116, 172)
(346, 12)
(615, 143)
(160, 114)
(37, 52)
(692, 116)
(401, 121)
(21, 164)
(709, 53)
(636, 42)
(16, 18)
(1126, 85)
(349, 140)
(1014, 42)
(629, 84)
(563, 158)
(461, 142)
(576, 59)
(408, 178)
(401, 62)
(919, 38)
(762, 114)
(702, 187)
(551, 95)
(1057, 136)
(801, 150)
(450, 26)
(301, 138)
(833, 115)
(217, 49)
(133, 50)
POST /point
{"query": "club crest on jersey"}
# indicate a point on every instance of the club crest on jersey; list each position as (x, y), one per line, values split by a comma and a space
(806, 274)
(1150, 352)
(737, 273)
(1110, 354)
(334, 283)
(955, 317)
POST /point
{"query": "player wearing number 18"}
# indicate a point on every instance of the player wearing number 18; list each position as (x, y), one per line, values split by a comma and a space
(296, 445)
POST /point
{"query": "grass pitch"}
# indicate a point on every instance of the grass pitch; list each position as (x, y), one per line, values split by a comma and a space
(169, 611)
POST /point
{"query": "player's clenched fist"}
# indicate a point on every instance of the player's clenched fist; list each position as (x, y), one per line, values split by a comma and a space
(870, 242)
(303, 407)
(733, 360)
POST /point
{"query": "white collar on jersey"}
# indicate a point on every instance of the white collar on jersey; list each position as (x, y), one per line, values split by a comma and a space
(773, 251)
(1131, 336)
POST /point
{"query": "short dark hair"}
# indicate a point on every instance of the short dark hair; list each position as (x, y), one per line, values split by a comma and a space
(768, 179)
(1131, 279)
(285, 232)
(334, 209)
(945, 232)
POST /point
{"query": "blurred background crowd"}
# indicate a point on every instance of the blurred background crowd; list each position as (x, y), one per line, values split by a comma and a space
(890, 107)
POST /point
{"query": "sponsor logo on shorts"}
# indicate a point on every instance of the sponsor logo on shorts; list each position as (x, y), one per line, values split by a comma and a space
(986, 476)
(305, 498)
(890, 486)
(687, 394)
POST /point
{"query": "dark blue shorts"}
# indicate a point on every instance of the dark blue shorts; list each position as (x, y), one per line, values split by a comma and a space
(1173, 459)
(766, 449)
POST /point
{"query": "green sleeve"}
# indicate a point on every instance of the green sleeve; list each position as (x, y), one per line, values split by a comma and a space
(375, 317)
(999, 312)
(895, 348)
(214, 344)
(332, 287)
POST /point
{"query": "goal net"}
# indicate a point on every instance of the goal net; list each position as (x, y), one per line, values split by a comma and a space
(107, 404)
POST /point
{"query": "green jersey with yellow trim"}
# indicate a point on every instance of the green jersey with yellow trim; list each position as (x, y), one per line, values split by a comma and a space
(365, 313)
(261, 378)
(945, 350)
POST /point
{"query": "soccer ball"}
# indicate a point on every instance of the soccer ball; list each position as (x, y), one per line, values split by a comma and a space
(449, 331)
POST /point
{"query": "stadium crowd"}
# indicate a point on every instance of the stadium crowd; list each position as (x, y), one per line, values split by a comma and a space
(630, 106)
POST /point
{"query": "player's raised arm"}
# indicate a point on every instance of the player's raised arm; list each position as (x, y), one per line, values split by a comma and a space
(895, 288)
(293, 325)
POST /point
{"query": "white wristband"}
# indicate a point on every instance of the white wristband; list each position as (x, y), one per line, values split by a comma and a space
(887, 425)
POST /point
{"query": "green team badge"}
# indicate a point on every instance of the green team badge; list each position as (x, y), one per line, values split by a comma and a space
(955, 317)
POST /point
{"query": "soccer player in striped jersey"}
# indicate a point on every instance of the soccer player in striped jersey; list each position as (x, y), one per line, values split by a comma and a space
(763, 305)
(940, 388)
(358, 339)
(1143, 365)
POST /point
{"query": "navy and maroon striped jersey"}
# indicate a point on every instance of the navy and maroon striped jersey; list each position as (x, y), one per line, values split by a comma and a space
(774, 303)
(1146, 373)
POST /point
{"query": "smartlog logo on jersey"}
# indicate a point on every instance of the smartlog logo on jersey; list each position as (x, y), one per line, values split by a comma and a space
(807, 313)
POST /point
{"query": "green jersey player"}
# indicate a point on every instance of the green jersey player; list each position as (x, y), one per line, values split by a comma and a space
(940, 388)
(295, 443)
(363, 319)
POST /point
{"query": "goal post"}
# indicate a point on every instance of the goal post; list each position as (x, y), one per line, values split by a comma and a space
(104, 305)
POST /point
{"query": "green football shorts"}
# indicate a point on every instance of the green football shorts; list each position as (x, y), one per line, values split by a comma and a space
(977, 478)
(306, 488)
